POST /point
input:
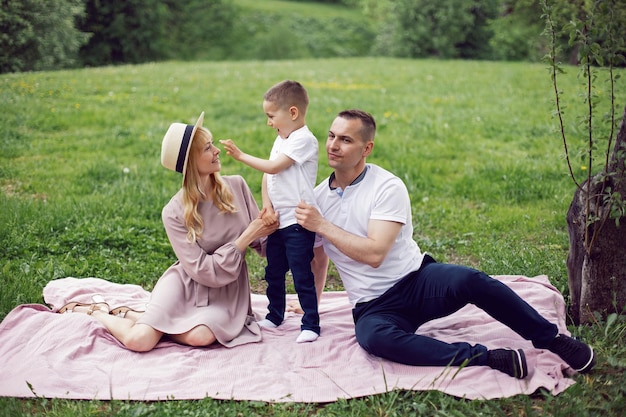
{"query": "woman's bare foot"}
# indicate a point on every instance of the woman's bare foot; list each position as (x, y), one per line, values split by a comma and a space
(75, 307)
(126, 313)
(89, 309)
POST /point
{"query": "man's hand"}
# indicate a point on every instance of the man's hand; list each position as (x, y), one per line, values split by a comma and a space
(370, 249)
(309, 217)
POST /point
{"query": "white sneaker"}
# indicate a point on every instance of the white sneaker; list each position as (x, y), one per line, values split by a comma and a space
(266, 324)
(307, 336)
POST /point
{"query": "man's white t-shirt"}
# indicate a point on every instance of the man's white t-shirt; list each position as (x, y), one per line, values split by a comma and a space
(287, 188)
(380, 195)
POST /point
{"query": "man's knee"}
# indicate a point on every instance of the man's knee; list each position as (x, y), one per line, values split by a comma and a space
(372, 336)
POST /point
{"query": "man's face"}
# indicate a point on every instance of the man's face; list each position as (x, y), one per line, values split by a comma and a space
(344, 146)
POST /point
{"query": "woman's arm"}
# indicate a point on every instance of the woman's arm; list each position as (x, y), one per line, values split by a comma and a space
(223, 266)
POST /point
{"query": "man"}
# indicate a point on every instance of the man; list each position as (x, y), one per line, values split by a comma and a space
(365, 228)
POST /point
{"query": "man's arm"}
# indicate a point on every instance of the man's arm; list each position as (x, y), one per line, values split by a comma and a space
(370, 250)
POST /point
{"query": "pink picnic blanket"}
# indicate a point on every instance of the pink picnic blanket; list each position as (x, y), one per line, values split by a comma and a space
(72, 356)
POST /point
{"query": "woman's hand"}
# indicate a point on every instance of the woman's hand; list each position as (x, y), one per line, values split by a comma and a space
(255, 230)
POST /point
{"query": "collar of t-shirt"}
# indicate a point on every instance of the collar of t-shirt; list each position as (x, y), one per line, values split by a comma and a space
(339, 190)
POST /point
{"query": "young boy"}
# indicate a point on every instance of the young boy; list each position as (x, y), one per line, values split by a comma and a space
(289, 178)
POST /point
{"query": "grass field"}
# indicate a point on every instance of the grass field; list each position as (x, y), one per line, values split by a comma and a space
(82, 190)
(319, 10)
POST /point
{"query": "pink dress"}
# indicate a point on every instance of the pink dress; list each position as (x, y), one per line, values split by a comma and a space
(209, 282)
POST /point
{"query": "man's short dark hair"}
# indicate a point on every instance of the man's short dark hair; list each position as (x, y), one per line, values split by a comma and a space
(368, 129)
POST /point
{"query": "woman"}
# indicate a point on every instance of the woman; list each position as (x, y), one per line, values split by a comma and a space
(205, 296)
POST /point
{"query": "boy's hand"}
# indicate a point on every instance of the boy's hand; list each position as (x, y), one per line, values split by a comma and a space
(268, 215)
(231, 148)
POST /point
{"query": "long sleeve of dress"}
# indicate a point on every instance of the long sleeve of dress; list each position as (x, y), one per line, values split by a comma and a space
(253, 209)
(213, 260)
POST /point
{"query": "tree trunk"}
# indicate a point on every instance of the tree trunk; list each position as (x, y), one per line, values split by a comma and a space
(597, 277)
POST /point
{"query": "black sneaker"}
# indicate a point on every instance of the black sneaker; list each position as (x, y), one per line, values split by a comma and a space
(574, 352)
(509, 361)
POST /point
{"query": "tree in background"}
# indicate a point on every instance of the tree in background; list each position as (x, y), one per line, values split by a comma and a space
(200, 29)
(596, 260)
(40, 34)
(517, 32)
(423, 28)
(136, 31)
(124, 31)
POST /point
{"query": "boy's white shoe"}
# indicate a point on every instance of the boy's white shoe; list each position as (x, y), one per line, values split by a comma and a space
(266, 324)
(307, 336)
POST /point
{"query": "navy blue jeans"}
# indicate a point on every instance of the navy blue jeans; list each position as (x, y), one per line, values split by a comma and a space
(287, 249)
(386, 326)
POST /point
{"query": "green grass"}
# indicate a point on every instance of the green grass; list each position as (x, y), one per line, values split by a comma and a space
(273, 29)
(323, 11)
(82, 190)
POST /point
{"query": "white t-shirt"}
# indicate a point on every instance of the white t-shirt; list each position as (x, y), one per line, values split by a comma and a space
(294, 184)
(380, 195)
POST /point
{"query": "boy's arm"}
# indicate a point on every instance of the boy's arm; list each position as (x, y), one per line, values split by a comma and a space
(269, 216)
(267, 203)
(264, 165)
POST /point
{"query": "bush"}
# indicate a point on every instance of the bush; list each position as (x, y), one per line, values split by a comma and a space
(40, 34)
(264, 35)
(208, 33)
(124, 31)
(515, 40)
(422, 28)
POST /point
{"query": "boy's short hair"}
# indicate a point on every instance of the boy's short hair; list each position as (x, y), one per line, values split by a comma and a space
(288, 93)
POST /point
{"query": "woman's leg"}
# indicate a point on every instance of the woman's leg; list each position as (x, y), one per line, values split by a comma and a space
(198, 336)
(142, 338)
(136, 337)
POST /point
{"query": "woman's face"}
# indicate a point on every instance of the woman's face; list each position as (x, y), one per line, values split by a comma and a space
(208, 159)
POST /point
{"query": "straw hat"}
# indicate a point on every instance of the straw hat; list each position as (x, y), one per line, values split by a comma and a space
(176, 145)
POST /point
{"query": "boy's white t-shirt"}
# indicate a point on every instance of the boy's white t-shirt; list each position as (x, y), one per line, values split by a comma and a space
(380, 195)
(287, 188)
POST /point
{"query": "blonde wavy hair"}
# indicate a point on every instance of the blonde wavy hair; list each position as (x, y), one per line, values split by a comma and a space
(194, 191)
